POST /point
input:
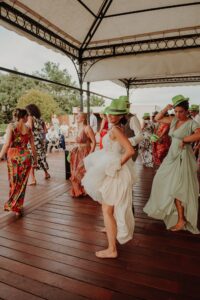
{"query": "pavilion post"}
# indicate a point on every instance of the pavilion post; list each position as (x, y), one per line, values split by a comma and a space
(80, 76)
(88, 102)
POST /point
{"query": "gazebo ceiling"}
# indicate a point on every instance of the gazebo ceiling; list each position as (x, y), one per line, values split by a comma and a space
(112, 39)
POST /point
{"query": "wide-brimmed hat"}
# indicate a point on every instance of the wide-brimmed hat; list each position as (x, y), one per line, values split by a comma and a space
(176, 100)
(146, 115)
(125, 99)
(105, 111)
(117, 107)
(194, 107)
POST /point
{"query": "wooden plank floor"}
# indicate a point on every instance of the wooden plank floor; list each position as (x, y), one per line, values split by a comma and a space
(49, 254)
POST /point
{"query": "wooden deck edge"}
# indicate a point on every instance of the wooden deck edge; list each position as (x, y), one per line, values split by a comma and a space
(9, 217)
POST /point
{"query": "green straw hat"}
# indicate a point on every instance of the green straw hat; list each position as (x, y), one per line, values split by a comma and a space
(146, 115)
(117, 107)
(176, 100)
(105, 111)
(125, 99)
(194, 107)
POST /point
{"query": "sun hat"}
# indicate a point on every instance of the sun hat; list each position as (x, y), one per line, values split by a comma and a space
(194, 107)
(146, 115)
(125, 99)
(176, 100)
(154, 138)
(117, 107)
(105, 111)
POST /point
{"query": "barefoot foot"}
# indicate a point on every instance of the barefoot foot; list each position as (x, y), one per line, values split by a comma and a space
(32, 183)
(107, 253)
(179, 226)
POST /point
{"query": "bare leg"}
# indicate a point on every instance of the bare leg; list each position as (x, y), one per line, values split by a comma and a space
(46, 174)
(111, 231)
(32, 175)
(181, 218)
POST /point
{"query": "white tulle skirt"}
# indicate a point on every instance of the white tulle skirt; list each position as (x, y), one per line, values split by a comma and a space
(107, 181)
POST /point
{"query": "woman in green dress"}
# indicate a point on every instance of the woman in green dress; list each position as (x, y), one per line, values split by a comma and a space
(175, 189)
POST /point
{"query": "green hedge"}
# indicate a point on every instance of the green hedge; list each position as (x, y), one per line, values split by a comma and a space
(3, 129)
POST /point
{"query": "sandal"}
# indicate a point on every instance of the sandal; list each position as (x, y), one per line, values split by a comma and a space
(47, 176)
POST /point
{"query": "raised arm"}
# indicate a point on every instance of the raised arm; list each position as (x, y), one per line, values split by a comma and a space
(123, 140)
(7, 142)
(160, 117)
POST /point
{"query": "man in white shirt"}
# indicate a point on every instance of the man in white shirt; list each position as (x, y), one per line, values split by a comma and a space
(132, 128)
(93, 121)
(194, 112)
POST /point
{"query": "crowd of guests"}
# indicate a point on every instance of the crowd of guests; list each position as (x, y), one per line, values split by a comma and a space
(167, 141)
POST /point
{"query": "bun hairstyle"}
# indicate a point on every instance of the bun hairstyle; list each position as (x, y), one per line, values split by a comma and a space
(19, 114)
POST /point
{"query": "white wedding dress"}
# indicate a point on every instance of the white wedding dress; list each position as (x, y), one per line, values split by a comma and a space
(107, 181)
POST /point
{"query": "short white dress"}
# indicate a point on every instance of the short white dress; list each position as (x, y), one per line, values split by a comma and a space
(107, 181)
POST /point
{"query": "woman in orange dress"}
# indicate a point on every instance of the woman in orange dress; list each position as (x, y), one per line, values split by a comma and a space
(161, 146)
(85, 144)
(18, 159)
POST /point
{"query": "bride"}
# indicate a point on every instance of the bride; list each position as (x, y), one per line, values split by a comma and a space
(109, 179)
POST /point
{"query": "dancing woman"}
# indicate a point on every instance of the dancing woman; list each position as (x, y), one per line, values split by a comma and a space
(175, 189)
(109, 180)
(18, 159)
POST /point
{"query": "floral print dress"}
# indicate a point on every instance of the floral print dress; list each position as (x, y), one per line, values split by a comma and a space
(19, 165)
(39, 142)
(145, 146)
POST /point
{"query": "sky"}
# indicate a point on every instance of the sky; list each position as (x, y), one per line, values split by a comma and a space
(19, 52)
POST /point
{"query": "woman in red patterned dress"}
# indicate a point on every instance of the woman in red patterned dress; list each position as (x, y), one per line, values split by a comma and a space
(161, 146)
(18, 135)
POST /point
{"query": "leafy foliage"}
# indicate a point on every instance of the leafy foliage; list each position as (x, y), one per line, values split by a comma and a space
(44, 101)
(62, 99)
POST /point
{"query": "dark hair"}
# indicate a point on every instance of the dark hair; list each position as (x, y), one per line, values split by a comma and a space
(184, 104)
(33, 110)
(20, 113)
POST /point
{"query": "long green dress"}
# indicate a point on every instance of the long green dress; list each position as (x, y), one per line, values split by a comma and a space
(176, 179)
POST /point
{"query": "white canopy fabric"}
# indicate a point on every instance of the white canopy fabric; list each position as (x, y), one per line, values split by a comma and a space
(88, 24)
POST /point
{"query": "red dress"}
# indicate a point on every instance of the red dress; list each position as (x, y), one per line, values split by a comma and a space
(103, 132)
(19, 166)
(161, 147)
(77, 168)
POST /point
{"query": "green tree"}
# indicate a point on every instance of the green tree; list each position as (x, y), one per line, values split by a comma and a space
(11, 89)
(44, 101)
(95, 101)
(66, 98)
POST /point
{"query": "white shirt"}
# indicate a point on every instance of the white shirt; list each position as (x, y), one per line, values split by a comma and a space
(64, 129)
(52, 135)
(93, 122)
(136, 127)
(197, 118)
